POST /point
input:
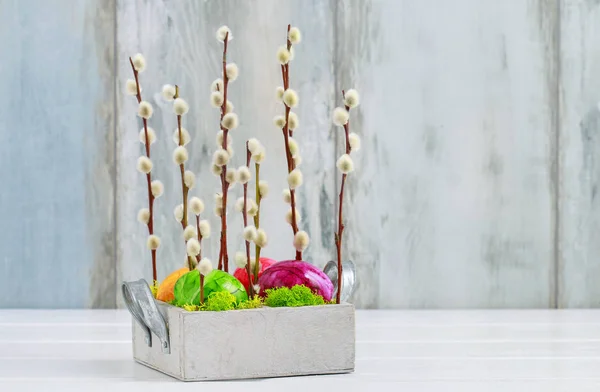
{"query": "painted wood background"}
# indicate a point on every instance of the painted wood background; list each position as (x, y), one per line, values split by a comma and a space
(476, 185)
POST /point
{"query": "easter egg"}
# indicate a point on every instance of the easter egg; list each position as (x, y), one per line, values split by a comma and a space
(242, 275)
(291, 273)
(165, 289)
(218, 280)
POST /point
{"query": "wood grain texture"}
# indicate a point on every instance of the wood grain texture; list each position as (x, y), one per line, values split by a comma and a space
(56, 162)
(452, 202)
(579, 207)
(178, 40)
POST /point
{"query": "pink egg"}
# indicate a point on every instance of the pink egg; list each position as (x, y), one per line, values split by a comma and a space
(291, 273)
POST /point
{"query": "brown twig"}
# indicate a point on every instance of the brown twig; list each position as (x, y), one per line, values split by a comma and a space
(257, 219)
(223, 256)
(199, 257)
(338, 235)
(285, 74)
(245, 216)
(148, 175)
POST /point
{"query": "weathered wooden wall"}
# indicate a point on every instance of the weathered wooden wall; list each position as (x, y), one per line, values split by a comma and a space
(57, 153)
(475, 187)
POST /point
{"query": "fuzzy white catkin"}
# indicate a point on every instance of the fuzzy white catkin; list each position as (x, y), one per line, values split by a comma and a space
(351, 98)
(180, 106)
(189, 232)
(345, 164)
(216, 170)
(180, 155)
(219, 210)
(178, 213)
(287, 196)
(145, 110)
(263, 188)
(228, 107)
(232, 71)
(290, 98)
(220, 135)
(143, 216)
(153, 242)
(205, 266)
(243, 174)
(293, 121)
(220, 157)
(249, 233)
(261, 238)
(251, 207)
(297, 160)
(196, 205)
(131, 87)
(144, 164)
(354, 141)
(189, 179)
(218, 198)
(216, 99)
(301, 240)
(239, 204)
(240, 259)
(288, 216)
(217, 85)
(259, 155)
(340, 116)
(294, 35)
(231, 176)
(157, 188)
(185, 136)
(253, 145)
(168, 92)
(283, 55)
(151, 135)
(192, 247)
(295, 178)
(293, 146)
(230, 121)
(279, 93)
(139, 62)
(222, 32)
(204, 226)
(279, 121)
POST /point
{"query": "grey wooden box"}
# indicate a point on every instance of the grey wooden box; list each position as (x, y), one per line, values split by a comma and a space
(254, 343)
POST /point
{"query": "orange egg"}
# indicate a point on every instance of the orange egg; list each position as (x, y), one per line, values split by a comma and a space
(165, 289)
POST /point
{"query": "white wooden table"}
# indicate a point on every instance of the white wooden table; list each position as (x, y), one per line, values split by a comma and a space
(483, 351)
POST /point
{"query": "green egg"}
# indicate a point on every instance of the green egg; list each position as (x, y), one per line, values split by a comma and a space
(218, 280)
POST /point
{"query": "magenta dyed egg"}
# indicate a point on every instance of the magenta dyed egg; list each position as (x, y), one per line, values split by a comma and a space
(291, 273)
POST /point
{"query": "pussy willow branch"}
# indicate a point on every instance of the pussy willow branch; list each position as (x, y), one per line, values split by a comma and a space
(285, 73)
(199, 257)
(257, 219)
(184, 188)
(148, 175)
(338, 236)
(245, 216)
(223, 256)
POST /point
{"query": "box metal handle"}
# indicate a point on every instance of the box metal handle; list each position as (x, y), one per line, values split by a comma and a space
(348, 278)
(142, 306)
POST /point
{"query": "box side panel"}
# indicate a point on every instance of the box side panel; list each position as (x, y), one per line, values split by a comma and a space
(153, 356)
(268, 342)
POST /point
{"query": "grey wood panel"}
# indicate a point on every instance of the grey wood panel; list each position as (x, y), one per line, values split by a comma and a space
(178, 40)
(56, 161)
(579, 154)
(453, 196)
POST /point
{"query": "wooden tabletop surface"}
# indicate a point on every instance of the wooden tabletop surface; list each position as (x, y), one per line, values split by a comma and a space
(484, 351)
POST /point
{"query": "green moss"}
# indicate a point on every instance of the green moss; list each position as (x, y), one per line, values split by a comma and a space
(219, 301)
(251, 303)
(154, 289)
(298, 295)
